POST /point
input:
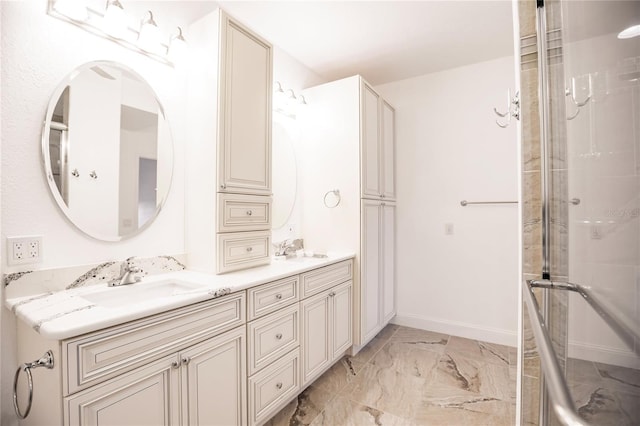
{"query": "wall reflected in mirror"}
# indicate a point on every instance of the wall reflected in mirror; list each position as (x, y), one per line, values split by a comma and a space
(107, 151)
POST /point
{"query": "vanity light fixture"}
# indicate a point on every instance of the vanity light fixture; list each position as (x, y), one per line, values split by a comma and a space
(115, 20)
(112, 23)
(302, 102)
(149, 36)
(632, 31)
(177, 46)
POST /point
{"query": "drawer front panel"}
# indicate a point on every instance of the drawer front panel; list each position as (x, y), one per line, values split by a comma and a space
(315, 281)
(270, 297)
(240, 250)
(243, 212)
(99, 356)
(272, 336)
(273, 387)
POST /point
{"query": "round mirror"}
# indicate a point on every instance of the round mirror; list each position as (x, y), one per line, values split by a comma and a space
(107, 149)
(284, 176)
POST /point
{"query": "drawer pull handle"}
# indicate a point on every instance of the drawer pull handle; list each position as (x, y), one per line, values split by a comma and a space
(278, 296)
(186, 360)
(279, 336)
(249, 249)
(175, 364)
(249, 212)
(279, 385)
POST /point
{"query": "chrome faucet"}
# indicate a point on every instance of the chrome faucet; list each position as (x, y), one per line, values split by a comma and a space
(127, 274)
(288, 248)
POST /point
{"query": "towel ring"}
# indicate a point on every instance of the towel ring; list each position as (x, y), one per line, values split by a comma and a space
(47, 362)
(336, 193)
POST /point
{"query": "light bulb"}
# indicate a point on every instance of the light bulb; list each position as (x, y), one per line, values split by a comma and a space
(115, 20)
(177, 48)
(149, 37)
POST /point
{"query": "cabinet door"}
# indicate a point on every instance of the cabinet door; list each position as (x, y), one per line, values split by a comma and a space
(370, 279)
(370, 146)
(388, 151)
(214, 381)
(341, 319)
(244, 157)
(388, 262)
(316, 339)
(145, 396)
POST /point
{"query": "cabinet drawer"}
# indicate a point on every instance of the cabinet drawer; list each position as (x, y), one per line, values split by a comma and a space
(98, 356)
(321, 279)
(272, 336)
(270, 297)
(241, 250)
(243, 212)
(273, 387)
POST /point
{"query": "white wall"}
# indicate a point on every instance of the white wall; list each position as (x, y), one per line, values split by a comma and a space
(449, 149)
(38, 51)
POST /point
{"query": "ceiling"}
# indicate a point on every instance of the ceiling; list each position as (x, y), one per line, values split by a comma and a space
(382, 40)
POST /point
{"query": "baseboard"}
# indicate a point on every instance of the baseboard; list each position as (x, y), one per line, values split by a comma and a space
(603, 354)
(470, 331)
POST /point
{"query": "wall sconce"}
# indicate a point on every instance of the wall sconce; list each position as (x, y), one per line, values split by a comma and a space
(112, 23)
(287, 103)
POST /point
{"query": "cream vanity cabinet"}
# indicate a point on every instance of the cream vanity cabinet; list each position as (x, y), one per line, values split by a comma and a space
(377, 145)
(182, 367)
(378, 266)
(354, 154)
(291, 343)
(229, 151)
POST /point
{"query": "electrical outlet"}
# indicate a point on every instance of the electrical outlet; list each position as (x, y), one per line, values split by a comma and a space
(23, 250)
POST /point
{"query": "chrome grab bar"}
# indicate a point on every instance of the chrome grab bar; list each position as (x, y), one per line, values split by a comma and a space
(618, 323)
(465, 203)
(554, 378)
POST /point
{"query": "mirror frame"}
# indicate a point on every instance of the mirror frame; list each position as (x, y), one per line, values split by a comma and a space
(46, 159)
(290, 142)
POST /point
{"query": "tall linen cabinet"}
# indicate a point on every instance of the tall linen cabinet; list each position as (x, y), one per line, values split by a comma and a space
(228, 214)
(348, 145)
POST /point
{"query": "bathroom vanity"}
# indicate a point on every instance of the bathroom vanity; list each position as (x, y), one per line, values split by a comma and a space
(224, 350)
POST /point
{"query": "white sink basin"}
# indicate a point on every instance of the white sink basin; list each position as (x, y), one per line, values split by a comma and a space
(116, 297)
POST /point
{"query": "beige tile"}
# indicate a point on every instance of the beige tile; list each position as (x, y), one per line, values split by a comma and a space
(421, 339)
(478, 377)
(304, 409)
(407, 358)
(339, 375)
(444, 404)
(386, 390)
(530, 400)
(527, 17)
(603, 407)
(620, 378)
(480, 351)
(344, 412)
(376, 343)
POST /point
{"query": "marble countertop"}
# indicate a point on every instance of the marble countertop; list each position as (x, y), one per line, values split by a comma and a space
(67, 313)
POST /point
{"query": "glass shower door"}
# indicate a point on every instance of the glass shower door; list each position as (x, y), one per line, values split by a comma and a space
(583, 307)
(602, 100)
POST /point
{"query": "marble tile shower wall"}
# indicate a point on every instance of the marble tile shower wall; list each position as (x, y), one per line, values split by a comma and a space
(532, 191)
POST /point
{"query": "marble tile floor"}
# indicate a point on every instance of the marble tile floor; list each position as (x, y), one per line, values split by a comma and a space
(406, 376)
(604, 394)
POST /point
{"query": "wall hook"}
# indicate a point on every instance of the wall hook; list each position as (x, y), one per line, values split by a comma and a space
(513, 110)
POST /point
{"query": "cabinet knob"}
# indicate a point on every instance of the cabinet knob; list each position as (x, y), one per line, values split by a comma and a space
(382, 195)
(279, 336)
(175, 364)
(223, 186)
(249, 249)
(332, 294)
(279, 385)
(249, 212)
(186, 360)
(278, 296)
